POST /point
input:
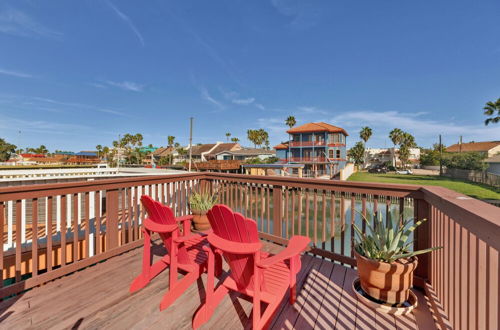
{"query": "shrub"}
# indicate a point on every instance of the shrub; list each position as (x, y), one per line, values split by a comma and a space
(466, 161)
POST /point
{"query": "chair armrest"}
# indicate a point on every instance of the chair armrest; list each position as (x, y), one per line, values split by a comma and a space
(184, 218)
(159, 228)
(183, 239)
(296, 245)
(233, 247)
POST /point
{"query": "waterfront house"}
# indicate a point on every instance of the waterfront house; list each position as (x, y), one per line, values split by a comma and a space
(204, 152)
(381, 156)
(321, 147)
(487, 148)
(246, 154)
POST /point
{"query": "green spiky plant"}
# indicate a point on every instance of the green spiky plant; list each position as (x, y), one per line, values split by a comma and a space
(202, 202)
(387, 242)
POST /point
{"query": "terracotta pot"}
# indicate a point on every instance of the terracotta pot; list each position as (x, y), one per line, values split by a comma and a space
(200, 220)
(389, 282)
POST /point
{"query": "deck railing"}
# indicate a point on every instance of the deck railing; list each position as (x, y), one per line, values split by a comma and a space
(54, 229)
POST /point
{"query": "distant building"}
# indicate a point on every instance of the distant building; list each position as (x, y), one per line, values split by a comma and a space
(321, 147)
(487, 148)
(245, 154)
(380, 156)
(205, 152)
(84, 158)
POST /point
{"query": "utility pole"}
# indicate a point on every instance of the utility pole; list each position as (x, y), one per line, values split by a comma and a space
(440, 157)
(190, 142)
(460, 144)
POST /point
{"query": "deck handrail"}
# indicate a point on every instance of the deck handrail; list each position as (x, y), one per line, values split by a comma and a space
(104, 218)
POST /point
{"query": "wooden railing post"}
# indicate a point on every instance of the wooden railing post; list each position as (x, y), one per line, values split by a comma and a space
(112, 219)
(277, 210)
(422, 210)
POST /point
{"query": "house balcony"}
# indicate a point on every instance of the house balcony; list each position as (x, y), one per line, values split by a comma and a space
(307, 143)
(71, 250)
(308, 159)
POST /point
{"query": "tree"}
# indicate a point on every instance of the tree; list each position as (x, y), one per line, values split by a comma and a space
(171, 140)
(99, 149)
(235, 140)
(290, 122)
(395, 135)
(365, 134)
(407, 142)
(490, 109)
(252, 136)
(227, 136)
(357, 153)
(6, 149)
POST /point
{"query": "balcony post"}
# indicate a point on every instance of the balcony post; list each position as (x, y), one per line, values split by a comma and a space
(422, 210)
(277, 210)
(112, 219)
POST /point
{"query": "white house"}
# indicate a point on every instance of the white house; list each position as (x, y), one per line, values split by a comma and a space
(375, 156)
(245, 154)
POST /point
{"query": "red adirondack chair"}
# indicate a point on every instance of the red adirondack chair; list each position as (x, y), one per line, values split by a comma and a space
(259, 275)
(185, 253)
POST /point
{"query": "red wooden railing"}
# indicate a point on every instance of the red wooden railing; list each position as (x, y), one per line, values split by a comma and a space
(308, 159)
(104, 219)
(307, 143)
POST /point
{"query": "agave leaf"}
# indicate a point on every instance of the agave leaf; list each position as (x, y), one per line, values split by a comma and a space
(414, 253)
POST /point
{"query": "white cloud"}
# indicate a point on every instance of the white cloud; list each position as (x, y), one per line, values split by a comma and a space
(209, 98)
(302, 14)
(311, 110)
(97, 85)
(247, 101)
(235, 98)
(126, 85)
(15, 73)
(260, 106)
(40, 126)
(15, 22)
(81, 106)
(425, 129)
(127, 20)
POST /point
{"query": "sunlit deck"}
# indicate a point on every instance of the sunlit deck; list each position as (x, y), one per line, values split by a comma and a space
(98, 297)
(48, 281)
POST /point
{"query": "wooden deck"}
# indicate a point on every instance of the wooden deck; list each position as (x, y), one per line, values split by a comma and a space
(98, 297)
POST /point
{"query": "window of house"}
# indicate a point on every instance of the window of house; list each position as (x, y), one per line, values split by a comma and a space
(330, 153)
(338, 154)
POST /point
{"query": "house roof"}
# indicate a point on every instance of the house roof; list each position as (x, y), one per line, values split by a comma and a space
(473, 146)
(199, 149)
(225, 147)
(162, 152)
(494, 159)
(317, 127)
(283, 145)
(248, 152)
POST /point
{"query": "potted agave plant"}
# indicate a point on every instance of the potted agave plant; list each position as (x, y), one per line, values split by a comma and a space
(200, 204)
(384, 259)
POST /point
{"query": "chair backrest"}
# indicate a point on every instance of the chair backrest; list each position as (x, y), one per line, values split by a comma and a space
(235, 227)
(162, 214)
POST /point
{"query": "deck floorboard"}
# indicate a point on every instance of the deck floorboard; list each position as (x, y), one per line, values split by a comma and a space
(98, 298)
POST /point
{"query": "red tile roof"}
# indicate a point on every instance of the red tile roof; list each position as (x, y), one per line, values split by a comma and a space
(283, 145)
(473, 146)
(317, 127)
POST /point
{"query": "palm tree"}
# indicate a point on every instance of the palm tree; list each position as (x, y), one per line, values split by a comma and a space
(365, 134)
(290, 122)
(396, 136)
(252, 135)
(99, 149)
(235, 140)
(227, 136)
(490, 109)
(171, 140)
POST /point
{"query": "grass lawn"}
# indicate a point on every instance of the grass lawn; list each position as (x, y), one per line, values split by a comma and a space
(472, 189)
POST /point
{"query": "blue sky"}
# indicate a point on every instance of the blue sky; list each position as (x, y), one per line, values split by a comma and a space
(74, 74)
